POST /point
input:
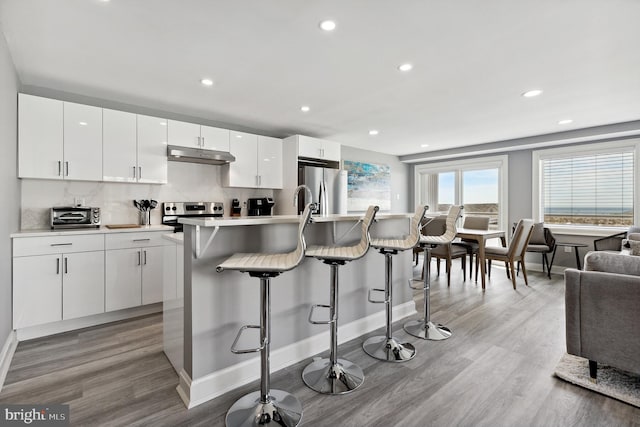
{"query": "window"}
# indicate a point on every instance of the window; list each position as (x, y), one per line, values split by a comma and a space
(588, 186)
(479, 185)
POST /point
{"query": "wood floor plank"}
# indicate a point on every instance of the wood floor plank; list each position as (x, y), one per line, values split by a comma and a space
(496, 370)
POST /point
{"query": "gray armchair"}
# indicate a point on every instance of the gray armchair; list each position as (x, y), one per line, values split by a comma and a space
(601, 308)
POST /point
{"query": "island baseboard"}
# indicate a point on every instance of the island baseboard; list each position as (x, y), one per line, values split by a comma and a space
(198, 391)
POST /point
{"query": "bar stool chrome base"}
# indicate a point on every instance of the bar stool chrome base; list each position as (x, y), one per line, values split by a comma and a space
(427, 331)
(338, 378)
(282, 409)
(388, 349)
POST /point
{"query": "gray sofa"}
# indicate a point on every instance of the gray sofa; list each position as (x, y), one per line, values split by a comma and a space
(602, 305)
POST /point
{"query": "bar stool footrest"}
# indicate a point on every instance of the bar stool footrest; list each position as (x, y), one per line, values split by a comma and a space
(319, 322)
(384, 301)
(234, 348)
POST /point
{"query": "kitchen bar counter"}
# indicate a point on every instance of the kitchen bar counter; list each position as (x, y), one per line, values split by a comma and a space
(216, 305)
(281, 219)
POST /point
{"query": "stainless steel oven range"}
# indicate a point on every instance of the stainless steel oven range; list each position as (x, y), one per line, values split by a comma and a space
(171, 211)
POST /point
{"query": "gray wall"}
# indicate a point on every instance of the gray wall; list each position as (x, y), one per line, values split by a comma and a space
(9, 186)
(401, 198)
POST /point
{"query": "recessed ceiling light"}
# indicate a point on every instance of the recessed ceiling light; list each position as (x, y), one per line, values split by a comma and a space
(424, 145)
(305, 108)
(207, 82)
(328, 25)
(82, 123)
(565, 122)
(373, 132)
(532, 93)
(405, 67)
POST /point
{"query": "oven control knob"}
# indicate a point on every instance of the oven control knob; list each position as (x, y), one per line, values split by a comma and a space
(174, 208)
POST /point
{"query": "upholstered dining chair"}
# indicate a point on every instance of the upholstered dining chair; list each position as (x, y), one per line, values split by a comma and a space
(541, 242)
(514, 252)
(471, 246)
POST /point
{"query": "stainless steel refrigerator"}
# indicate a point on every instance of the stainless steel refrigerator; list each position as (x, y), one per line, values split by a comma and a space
(328, 186)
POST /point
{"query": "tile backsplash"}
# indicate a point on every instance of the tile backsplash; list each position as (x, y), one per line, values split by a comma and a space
(188, 182)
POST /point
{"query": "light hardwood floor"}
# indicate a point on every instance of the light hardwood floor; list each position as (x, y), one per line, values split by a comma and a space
(496, 370)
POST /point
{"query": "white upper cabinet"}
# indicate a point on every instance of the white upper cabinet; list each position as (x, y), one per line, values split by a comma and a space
(152, 150)
(214, 138)
(192, 135)
(82, 142)
(119, 146)
(318, 148)
(244, 171)
(258, 161)
(269, 162)
(134, 148)
(59, 140)
(40, 136)
(184, 134)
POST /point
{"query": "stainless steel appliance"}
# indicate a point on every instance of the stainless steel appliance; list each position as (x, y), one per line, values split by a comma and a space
(260, 206)
(198, 155)
(328, 185)
(75, 217)
(172, 211)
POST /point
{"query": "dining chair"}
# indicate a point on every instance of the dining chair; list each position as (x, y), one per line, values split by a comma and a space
(514, 252)
(471, 246)
(542, 242)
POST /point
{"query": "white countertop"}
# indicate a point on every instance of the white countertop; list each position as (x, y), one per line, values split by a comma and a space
(281, 219)
(101, 230)
(174, 237)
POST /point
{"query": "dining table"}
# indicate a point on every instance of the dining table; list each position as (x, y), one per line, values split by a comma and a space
(481, 236)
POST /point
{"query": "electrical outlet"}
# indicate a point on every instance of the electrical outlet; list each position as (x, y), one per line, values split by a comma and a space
(567, 249)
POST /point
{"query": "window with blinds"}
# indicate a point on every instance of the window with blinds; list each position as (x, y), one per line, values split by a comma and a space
(589, 189)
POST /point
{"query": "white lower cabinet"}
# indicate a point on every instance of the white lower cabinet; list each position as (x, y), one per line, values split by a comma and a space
(82, 284)
(123, 287)
(37, 290)
(49, 288)
(134, 271)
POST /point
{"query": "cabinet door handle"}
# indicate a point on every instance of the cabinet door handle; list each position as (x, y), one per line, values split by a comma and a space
(138, 257)
(145, 257)
(202, 141)
(260, 180)
(134, 172)
(61, 244)
(67, 166)
(59, 168)
(141, 240)
(139, 172)
(66, 270)
(199, 143)
(57, 265)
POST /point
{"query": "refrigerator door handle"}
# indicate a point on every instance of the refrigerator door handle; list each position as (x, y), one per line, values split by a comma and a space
(323, 199)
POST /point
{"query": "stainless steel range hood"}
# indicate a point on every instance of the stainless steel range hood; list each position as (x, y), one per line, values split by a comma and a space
(198, 155)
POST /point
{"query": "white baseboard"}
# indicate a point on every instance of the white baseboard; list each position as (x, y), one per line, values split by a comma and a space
(198, 391)
(84, 322)
(6, 355)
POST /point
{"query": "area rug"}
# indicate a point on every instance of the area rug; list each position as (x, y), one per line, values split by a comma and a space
(611, 382)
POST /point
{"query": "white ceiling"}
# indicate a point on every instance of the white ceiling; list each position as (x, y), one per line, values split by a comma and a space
(472, 60)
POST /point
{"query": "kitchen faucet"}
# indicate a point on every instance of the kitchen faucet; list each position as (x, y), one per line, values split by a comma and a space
(307, 192)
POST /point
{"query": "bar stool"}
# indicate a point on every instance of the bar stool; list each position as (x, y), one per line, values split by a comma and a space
(333, 375)
(266, 406)
(387, 347)
(425, 328)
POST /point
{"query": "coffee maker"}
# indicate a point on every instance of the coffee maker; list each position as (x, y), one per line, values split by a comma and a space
(260, 206)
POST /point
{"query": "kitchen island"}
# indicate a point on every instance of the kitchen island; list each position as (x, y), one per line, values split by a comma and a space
(216, 305)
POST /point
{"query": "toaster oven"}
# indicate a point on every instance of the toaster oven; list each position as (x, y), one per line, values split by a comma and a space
(75, 217)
